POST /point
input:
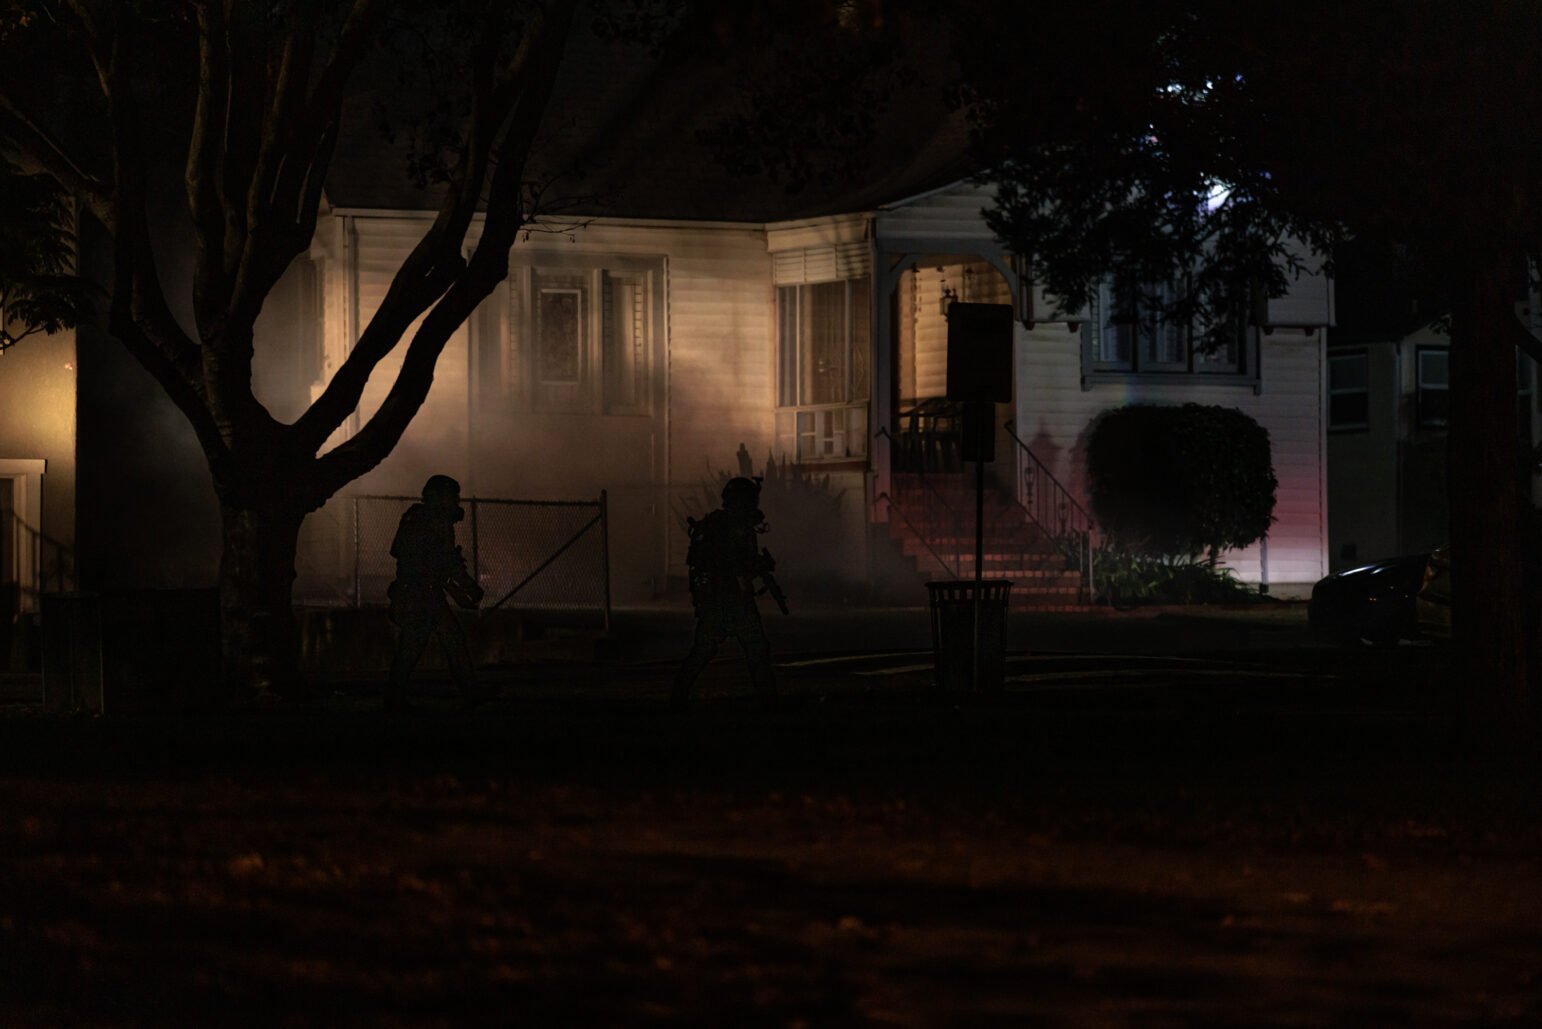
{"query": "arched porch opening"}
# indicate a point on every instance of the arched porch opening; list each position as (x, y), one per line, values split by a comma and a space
(916, 430)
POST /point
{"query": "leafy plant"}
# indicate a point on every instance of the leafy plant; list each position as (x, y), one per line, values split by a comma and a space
(1126, 579)
(801, 507)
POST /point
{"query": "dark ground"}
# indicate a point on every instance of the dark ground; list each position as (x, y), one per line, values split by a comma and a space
(1272, 837)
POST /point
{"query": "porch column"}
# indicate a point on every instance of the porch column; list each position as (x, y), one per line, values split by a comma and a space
(880, 412)
(888, 267)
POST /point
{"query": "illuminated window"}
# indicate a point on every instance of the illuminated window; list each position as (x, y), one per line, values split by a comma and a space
(824, 346)
(1128, 331)
(582, 334)
(1434, 385)
(1349, 400)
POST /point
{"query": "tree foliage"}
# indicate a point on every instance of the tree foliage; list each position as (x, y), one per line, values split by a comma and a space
(1192, 139)
(39, 291)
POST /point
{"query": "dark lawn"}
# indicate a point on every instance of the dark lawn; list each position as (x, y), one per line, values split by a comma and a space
(1296, 839)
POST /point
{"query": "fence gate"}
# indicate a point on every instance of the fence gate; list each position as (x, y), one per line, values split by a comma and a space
(540, 554)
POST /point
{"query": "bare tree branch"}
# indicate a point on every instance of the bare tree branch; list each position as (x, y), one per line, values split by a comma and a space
(279, 216)
(205, 150)
(488, 266)
(152, 355)
(290, 87)
(249, 88)
(435, 262)
(98, 45)
(140, 315)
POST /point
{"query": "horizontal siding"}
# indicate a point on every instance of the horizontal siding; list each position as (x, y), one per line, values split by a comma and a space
(1309, 296)
(1054, 413)
(437, 439)
(924, 326)
(721, 358)
(717, 350)
(950, 213)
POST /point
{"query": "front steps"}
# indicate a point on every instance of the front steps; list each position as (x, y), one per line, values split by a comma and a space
(933, 521)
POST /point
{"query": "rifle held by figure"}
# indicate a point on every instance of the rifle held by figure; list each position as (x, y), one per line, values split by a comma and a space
(767, 566)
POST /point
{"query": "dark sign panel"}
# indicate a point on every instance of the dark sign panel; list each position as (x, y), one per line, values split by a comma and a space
(980, 352)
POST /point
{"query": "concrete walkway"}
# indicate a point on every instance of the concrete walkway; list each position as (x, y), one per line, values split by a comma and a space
(640, 634)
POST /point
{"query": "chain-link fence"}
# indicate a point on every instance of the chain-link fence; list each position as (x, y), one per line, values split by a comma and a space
(526, 554)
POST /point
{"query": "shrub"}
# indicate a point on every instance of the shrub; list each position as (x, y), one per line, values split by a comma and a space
(1176, 482)
(1127, 580)
(803, 509)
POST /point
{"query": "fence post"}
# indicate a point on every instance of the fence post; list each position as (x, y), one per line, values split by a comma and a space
(476, 552)
(357, 598)
(605, 552)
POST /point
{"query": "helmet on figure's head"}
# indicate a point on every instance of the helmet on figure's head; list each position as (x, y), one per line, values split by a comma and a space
(441, 491)
(740, 492)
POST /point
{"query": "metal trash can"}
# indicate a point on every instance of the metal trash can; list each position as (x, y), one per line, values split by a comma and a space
(952, 605)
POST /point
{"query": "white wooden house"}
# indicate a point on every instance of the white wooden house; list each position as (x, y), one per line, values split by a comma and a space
(37, 470)
(637, 355)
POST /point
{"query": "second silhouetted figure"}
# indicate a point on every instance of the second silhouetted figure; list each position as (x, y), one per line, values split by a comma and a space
(724, 560)
(428, 565)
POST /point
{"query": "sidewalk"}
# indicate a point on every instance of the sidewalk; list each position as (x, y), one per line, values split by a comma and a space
(659, 632)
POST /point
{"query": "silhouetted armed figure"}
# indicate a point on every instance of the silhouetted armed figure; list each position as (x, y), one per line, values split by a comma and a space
(724, 562)
(429, 565)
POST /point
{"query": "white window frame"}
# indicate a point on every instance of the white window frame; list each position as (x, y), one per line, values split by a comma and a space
(1421, 386)
(1364, 358)
(827, 432)
(1095, 368)
(591, 393)
(27, 502)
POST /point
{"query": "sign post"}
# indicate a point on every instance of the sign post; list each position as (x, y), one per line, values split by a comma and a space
(980, 376)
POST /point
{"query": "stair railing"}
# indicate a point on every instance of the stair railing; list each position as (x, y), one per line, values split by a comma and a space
(925, 510)
(899, 509)
(1051, 507)
(31, 563)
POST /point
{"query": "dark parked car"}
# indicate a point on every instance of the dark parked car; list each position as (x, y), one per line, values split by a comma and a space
(1374, 602)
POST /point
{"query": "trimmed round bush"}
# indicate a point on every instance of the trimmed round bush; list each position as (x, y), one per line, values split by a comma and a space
(1180, 481)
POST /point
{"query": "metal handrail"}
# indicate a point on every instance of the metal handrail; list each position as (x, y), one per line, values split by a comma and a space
(899, 510)
(934, 509)
(42, 564)
(1051, 507)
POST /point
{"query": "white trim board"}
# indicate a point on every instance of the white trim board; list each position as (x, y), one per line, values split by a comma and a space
(28, 498)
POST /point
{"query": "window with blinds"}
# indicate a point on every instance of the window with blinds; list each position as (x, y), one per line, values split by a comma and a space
(824, 372)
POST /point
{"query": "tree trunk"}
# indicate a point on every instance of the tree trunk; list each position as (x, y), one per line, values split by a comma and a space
(1487, 503)
(257, 624)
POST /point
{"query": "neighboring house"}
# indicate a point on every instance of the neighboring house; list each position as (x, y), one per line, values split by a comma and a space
(636, 355)
(1387, 405)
